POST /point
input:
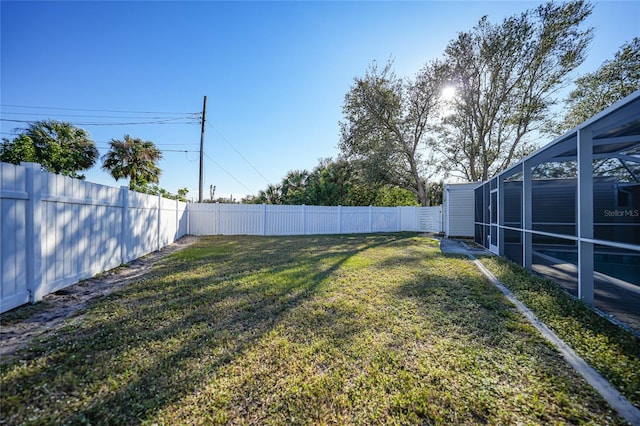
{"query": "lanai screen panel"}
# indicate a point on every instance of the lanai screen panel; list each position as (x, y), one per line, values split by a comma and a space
(571, 210)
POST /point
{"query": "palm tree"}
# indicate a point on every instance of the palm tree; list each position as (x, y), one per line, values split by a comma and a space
(59, 147)
(135, 159)
(294, 186)
(271, 195)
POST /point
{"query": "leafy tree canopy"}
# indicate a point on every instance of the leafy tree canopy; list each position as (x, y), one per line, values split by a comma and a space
(181, 194)
(134, 159)
(505, 77)
(385, 126)
(596, 91)
(333, 183)
(59, 147)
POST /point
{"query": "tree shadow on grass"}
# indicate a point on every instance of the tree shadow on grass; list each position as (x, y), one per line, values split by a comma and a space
(157, 340)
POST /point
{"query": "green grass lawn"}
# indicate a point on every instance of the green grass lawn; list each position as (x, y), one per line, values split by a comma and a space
(366, 329)
(614, 353)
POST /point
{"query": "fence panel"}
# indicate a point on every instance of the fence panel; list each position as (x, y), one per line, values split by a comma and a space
(79, 235)
(57, 230)
(355, 220)
(238, 219)
(269, 219)
(170, 227)
(142, 219)
(385, 219)
(284, 220)
(14, 199)
(322, 220)
(203, 219)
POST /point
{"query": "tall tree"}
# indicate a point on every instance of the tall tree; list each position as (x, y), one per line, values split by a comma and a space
(596, 91)
(294, 187)
(135, 159)
(330, 183)
(59, 147)
(386, 124)
(18, 150)
(505, 77)
(271, 195)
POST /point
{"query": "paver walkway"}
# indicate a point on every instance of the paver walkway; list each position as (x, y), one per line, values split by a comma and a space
(449, 246)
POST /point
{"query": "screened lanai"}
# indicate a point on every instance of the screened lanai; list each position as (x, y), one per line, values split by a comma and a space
(571, 211)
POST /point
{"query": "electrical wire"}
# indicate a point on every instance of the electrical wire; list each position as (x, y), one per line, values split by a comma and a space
(239, 153)
(156, 144)
(191, 117)
(99, 110)
(227, 172)
(165, 121)
(106, 148)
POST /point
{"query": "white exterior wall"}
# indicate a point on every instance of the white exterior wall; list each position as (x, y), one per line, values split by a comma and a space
(459, 205)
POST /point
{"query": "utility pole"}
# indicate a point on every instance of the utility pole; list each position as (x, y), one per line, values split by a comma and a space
(204, 112)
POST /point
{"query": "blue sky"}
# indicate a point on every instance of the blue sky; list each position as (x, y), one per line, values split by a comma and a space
(275, 73)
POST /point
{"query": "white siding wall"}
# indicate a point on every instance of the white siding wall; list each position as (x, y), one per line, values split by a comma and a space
(459, 205)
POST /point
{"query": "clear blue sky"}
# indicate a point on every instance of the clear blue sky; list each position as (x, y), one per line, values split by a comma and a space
(275, 73)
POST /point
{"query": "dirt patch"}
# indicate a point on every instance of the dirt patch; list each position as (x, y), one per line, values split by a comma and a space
(27, 322)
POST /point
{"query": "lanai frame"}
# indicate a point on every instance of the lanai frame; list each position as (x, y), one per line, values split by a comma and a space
(610, 136)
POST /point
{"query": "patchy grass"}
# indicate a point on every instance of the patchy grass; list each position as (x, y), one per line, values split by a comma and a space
(366, 329)
(612, 351)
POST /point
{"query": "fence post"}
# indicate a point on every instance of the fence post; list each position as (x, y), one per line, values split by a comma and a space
(339, 219)
(264, 219)
(304, 220)
(370, 218)
(177, 235)
(187, 211)
(158, 239)
(399, 216)
(35, 281)
(124, 225)
(218, 214)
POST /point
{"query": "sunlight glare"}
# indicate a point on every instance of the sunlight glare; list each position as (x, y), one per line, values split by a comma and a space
(448, 92)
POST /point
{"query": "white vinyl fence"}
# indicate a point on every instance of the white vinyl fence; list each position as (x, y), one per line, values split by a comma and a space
(266, 219)
(57, 230)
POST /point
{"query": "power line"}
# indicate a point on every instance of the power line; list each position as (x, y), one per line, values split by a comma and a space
(98, 110)
(227, 172)
(239, 153)
(103, 148)
(96, 116)
(165, 121)
(156, 144)
(104, 143)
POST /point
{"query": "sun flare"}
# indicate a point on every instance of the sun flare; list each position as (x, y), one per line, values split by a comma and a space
(448, 93)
